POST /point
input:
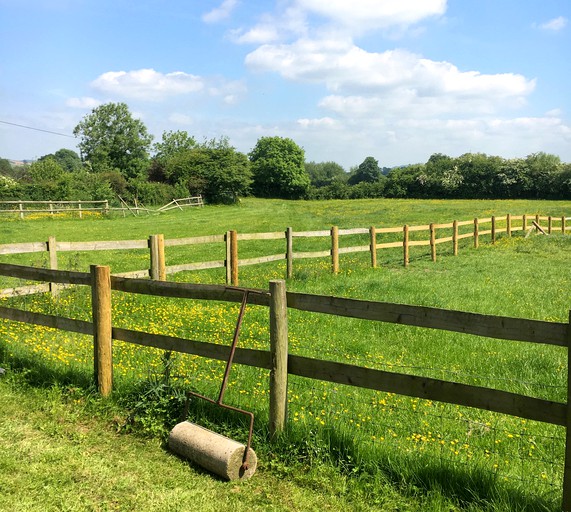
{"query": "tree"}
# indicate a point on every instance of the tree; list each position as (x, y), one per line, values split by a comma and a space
(278, 169)
(368, 171)
(323, 174)
(112, 139)
(5, 167)
(173, 143)
(69, 160)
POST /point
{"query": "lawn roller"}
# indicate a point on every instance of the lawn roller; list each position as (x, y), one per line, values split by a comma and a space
(216, 453)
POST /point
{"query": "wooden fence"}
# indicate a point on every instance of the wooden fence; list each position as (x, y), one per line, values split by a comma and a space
(403, 237)
(281, 363)
(21, 208)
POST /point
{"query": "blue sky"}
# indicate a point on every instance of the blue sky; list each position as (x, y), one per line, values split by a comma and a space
(396, 80)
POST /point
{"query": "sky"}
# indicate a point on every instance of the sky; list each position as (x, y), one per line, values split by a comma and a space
(345, 79)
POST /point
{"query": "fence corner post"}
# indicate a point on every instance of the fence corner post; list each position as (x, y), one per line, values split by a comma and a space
(405, 245)
(279, 357)
(102, 328)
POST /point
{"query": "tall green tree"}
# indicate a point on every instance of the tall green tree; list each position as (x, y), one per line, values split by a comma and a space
(111, 139)
(278, 169)
(323, 174)
(368, 171)
(68, 159)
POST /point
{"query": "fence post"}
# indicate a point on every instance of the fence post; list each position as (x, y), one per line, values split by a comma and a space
(455, 238)
(289, 253)
(524, 222)
(476, 233)
(432, 242)
(102, 329)
(52, 249)
(157, 247)
(509, 224)
(493, 229)
(566, 506)
(80, 212)
(549, 224)
(227, 263)
(563, 225)
(405, 245)
(335, 249)
(234, 257)
(279, 357)
(21, 206)
(373, 244)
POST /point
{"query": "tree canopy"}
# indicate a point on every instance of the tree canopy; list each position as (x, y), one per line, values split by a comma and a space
(278, 169)
(111, 139)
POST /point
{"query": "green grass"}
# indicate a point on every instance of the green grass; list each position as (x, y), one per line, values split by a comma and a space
(368, 448)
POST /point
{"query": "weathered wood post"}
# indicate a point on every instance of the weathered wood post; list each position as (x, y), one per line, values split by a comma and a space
(432, 242)
(549, 224)
(524, 222)
(373, 245)
(80, 210)
(289, 253)
(52, 249)
(279, 357)
(509, 224)
(493, 229)
(234, 257)
(405, 247)
(21, 206)
(102, 328)
(455, 238)
(563, 224)
(335, 249)
(157, 247)
(566, 506)
(228, 263)
(476, 233)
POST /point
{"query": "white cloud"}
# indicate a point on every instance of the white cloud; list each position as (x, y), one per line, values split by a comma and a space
(220, 13)
(324, 121)
(554, 25)
(181, 119)
(83, 102)
(394, 81)
(366, 14)
(147, 84)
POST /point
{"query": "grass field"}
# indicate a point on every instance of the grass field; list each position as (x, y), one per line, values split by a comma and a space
(345, 446)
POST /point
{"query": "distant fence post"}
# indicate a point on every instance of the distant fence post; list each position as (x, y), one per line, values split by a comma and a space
(373, 245)
(476, 233)
(432, 242)
(279, 357)
(21, 207)
(563, 224)
(405, 245)
(157, 247)
(524, 222)
(289, 253)
(549, 224)
(455, 238)
(509, 224)
(52, 249)
(566, 506)
(102, 329)
(335, 249)
(234, 257)
(80, 211)
(493, 229)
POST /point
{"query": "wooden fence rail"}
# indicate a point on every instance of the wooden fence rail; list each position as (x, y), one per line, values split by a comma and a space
(281, 363)
(407, 238)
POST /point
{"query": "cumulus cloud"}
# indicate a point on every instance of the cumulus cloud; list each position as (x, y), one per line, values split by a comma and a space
(554, 25)
(322, 122)
(395, 81)
(367, 14)
(220, 13)
(147, 84)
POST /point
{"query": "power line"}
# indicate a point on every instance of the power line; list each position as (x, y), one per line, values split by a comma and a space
(38, 129)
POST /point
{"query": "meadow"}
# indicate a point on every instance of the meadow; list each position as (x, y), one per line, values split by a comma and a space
(392, 451)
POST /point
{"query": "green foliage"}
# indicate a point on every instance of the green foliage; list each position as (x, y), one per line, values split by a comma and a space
(368, 171)
(69, 160)
(278, 169)
(323, 174)
(5, 167)
(110, 138)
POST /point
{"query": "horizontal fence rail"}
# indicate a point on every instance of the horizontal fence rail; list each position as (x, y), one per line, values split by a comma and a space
(281, 363)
